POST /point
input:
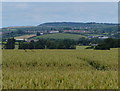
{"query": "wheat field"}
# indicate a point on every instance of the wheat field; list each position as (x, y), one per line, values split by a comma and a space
(60, 69)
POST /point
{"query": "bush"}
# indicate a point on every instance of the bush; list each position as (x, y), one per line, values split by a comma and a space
(102, 47)
(10, 44)
(108, 43)
(90, 47)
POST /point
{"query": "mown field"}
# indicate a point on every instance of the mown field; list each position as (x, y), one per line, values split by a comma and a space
(60, 69)
(60, 36)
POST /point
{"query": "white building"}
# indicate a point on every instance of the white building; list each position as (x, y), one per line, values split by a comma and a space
(54, 32)
(103, 37)
(41, 33)
(20, 39)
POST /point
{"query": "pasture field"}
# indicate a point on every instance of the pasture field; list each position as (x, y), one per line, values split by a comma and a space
(60, 36)
(60, 69)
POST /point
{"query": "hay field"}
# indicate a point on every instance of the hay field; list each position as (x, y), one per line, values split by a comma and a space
(25, 36)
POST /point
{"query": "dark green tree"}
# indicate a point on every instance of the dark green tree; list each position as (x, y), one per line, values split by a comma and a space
(10, 44)
(50, 44)
(24, 45)
(102, 47)
(32, 44)
(108, 43)
(38, 34)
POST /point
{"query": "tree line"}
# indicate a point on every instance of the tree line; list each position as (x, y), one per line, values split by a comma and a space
(64, 44)
(42, 44)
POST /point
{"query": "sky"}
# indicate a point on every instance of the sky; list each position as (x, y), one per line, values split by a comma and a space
(60, 0)
(35, 13)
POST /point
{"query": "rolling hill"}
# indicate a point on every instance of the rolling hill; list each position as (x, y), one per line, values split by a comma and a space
(97, 28)
(63, 26)
(60, 36)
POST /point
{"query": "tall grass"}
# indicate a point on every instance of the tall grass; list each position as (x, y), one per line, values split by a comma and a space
(60, 69)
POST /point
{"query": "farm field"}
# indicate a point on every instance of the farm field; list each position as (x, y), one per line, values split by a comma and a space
(25, 36)
(81, 47)
(60, 69)
(60, 36)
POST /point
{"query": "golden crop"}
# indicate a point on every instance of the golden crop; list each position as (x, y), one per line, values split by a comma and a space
(60, 69)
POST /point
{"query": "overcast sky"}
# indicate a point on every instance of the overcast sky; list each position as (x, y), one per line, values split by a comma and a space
(22, 14)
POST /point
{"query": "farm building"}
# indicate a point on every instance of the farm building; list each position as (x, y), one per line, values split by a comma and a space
(77, 31)
(20, 39)
(93, 44)
(103, 37)
(54, 32)
(100, 37)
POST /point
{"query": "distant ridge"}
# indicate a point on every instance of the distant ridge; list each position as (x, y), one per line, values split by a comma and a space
(68, 24)
(72, 23)
(90, 26)
(77, 25)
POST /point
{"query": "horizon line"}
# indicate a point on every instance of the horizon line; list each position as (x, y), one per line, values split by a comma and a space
(59, 22)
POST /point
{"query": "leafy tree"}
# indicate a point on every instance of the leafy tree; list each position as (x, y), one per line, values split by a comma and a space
(40, 44)
(68, 43)
(10, 44)
(32, 44)
(51, 44)
(102, 47)
(24, 45)
(109, 43)
(61, 45)
(38, 34)
(83, 41)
